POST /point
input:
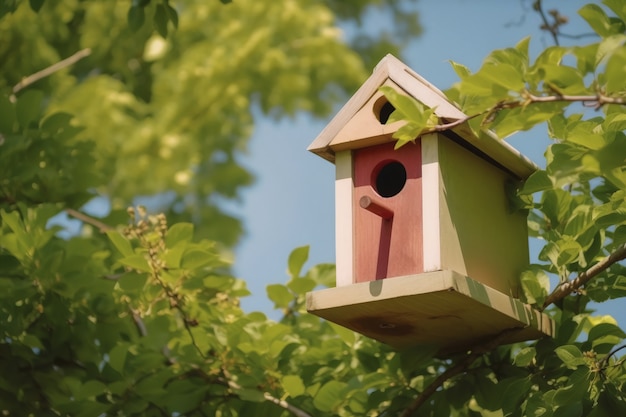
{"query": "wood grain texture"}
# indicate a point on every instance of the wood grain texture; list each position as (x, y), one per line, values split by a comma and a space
(344, 230)
(443, 309)
(387, 247)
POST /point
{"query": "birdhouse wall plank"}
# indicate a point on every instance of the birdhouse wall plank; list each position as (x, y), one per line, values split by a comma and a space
(388, 238)
(480, 236)
(344, 231)
(431, 211)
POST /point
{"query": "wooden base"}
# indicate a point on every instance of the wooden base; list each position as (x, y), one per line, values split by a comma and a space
(441, 308)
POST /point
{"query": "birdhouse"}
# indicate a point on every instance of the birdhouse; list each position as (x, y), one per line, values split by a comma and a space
(429, 251)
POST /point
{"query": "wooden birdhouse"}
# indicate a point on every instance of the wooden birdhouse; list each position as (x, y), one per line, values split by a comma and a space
(428, 248)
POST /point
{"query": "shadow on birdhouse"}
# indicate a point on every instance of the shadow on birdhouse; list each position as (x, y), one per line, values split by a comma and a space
(428, 250)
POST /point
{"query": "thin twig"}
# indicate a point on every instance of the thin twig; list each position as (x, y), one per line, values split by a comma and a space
(46, 72)
(599, 99)
(606, 359)
(89, 220)
(141, 326)
(298, 412)
(567, 288)
(284, 404)
(553, 29)
(457, 369)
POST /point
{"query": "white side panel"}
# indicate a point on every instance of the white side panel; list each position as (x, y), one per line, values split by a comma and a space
(431, 203)
(343, 218)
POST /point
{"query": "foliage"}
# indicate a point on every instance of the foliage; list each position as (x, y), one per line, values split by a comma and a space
(168, 91)
(138, 315)
(576, 206)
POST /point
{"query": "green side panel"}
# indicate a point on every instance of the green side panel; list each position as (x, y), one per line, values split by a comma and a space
(481, 237)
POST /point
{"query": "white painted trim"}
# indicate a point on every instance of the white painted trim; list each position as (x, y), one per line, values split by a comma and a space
(431, 233)
(344, 226)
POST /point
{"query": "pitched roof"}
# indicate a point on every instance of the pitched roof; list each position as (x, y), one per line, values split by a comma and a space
(356, 125)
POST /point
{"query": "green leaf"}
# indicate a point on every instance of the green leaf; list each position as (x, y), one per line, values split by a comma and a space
(597, 19)
(197, 258)
(347, 335)
(525, 357)
(91, 389)
(28, 107)
(132, 281)
(160, 20)
(36, 4)
(461, 70)
(618, 7)
(280, 295)
(323, 274)
(179, 232)
(136, 17)
(120, 242)
(608, 46)
(615, 84)
(571, 409)
(582, 133)
(173, 256)
(137, 261)
(172, 14)
(296, 261)
(606, 333)
(567, 80)
(293, 385)
(329, 396)
(117, 357)
(32, 341)
(7, 110)
(570, 355)
(576, 388)
(250, 394)
(301, 285)
(407, 108)
(505, 75)
(538, 181)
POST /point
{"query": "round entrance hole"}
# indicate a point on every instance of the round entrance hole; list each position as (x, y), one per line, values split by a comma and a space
(390, 179)
(383, 109)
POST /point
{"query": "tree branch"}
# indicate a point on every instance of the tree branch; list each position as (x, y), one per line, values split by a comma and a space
(284, 404)
(89, 220)
(599, 99)
(298, 412)
(457, 369)
(568, 287)
(553, 29)
(141, 326)
(46, 72)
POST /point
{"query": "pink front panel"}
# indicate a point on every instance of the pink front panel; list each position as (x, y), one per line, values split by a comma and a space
(387, 180)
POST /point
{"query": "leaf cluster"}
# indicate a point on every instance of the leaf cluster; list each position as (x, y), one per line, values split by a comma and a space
(576, 207)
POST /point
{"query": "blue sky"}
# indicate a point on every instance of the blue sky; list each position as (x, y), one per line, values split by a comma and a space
(292, 202)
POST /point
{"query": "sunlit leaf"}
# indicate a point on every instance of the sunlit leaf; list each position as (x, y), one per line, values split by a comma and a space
(296, 261)
(571, 356)
(120, 242)
(179, 232)
(137, 261)
(293, 385)
(329, 396)
(280, 295)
